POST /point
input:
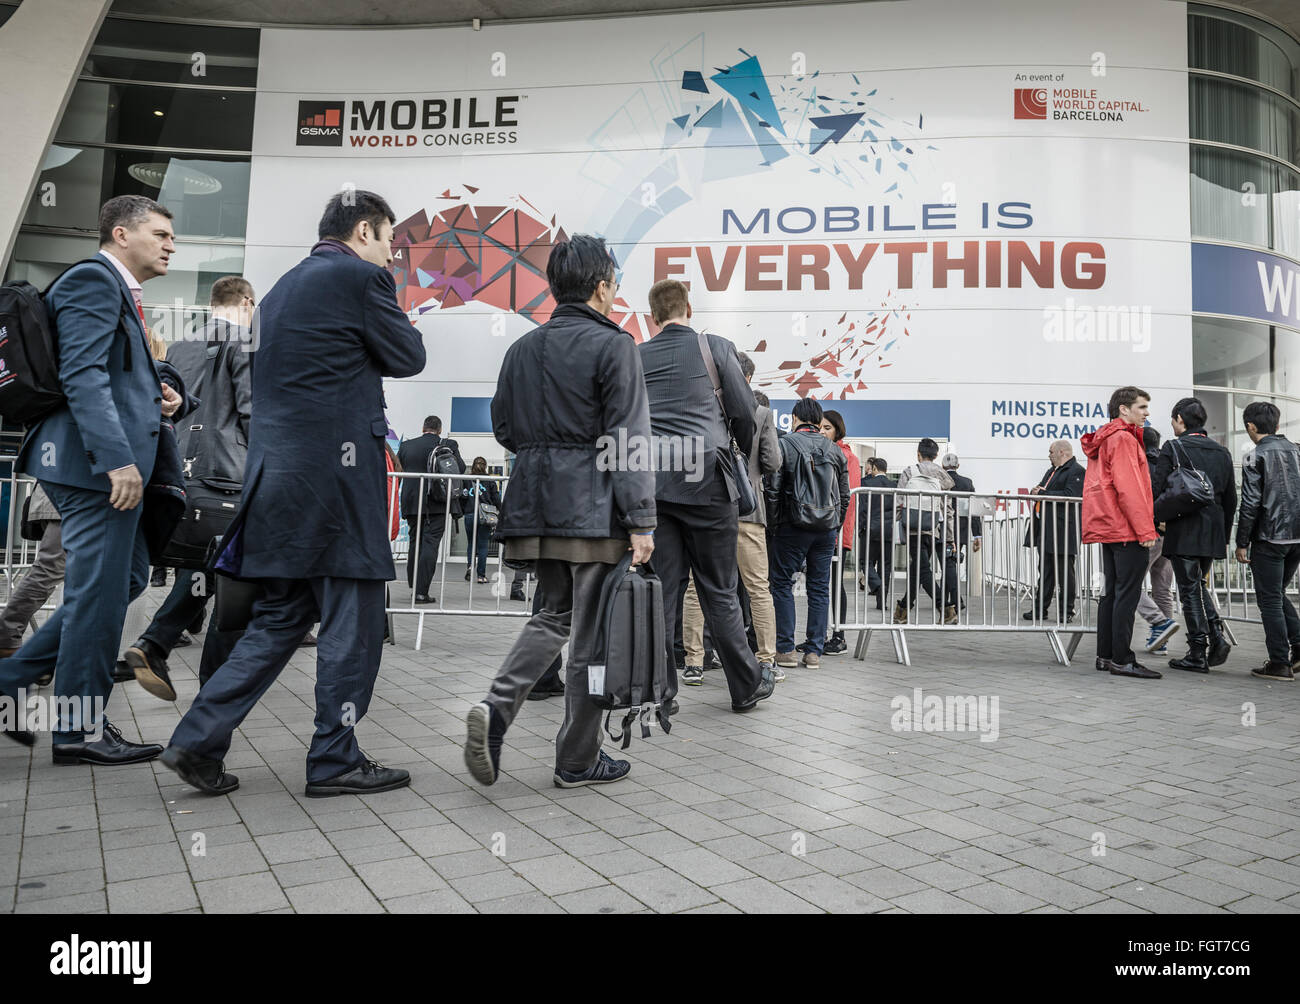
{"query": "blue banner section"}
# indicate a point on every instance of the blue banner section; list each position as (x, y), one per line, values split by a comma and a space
(471, 414)
(1240, 282)
(877, 419)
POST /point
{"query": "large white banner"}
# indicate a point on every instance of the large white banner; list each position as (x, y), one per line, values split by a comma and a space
(964, 220)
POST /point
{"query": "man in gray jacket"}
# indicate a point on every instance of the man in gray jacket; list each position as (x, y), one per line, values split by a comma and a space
(41, 580)
(214, 446)
(751, 556)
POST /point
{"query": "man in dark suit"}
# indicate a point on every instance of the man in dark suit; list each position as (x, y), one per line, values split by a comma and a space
(214, 446)
(93, 456)
(1055, 533)
(876, 533)
(426, 519)
(696, 504)
(313, 525)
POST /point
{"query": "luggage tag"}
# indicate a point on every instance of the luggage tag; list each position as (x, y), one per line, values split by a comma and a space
(596, 680)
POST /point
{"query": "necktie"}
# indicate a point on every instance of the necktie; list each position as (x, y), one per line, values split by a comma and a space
(139, 306)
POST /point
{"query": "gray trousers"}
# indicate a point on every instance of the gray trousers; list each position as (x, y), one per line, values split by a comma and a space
(1159, 605)
(569, 612)
(35, 587)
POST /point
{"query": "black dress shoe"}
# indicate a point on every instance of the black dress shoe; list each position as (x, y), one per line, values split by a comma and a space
(425, 599)
(1134, 669)
(542, 693)
(208, 775)
(367, 779)
(765, 687)
(20, 736)
(1103, 665)
(518, 595)
(122, 673)
(111, 750)
(149, 668)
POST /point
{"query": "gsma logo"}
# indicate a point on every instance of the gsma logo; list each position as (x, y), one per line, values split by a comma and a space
(320, 123)
(1030, 103)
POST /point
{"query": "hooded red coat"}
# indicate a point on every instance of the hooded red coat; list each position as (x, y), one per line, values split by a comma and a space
(1117, 504)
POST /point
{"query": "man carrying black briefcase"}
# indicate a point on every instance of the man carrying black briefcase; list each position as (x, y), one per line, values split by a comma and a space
(214, 446)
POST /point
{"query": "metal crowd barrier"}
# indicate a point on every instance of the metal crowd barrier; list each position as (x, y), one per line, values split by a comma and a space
(1232, 587)
(1023, 542)
(19, 553)
(501, 579)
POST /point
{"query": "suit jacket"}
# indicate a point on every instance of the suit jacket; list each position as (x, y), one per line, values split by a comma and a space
(684, 407)
(114, 409)
(315, 494)
(1066, 483)
(414, 456)
(966, 528)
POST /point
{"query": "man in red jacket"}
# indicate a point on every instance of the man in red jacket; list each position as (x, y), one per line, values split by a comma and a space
(1118, 514)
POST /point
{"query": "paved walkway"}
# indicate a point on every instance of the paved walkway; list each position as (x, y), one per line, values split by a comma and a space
(811, 803)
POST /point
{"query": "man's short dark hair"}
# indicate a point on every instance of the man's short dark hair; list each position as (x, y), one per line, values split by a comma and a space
(1150, 437)
(746, 366)
(927, 448)
(433, 424)
(577, 266)
(880, 464)
(1263, 415)
(230, 291)
(807, 411)
(1192, 412)
(348, 208)
(126, 211)
(837, 421)
(761, 398)
(668, 298)
(1124, 397)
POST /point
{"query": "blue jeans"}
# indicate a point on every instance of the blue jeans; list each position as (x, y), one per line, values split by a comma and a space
(792, 546)
(107, 567)
(477, 548)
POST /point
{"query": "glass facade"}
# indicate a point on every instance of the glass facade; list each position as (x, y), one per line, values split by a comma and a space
(1244, 103)
(162, 110)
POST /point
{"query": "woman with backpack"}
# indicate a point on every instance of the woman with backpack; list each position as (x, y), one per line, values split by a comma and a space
(481, 512)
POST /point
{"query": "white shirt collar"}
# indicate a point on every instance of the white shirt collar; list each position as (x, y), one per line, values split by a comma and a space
(132, 283)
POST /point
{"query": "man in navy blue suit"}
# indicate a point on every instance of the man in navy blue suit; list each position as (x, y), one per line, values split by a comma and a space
(93, 456)
(313, 526)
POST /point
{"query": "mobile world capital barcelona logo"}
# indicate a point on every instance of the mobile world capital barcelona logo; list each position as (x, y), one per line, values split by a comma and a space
(320, 123)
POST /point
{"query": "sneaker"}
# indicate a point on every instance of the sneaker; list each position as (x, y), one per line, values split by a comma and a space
(484, 731)
(778, 674)
(786, 660)
(693, 676)
(1274, 671)
(836, 646)
(802, 646)
(950, 615)
(900, 613)
(605, 771)
(812, 660)
(1161, 632)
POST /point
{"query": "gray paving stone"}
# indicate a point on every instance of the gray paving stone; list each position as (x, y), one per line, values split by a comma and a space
(298, 845)
(160, 894)
(255, 893)
(439, 901)
(400, 877)
(664, 891)
(346, 895)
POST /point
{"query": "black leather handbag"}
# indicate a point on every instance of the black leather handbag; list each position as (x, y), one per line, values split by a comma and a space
(1187, 490)
(745, 498)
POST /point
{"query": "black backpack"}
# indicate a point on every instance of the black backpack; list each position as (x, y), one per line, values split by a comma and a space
(629, 667)
(441, 461)
(814, 497)
(29, 357)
